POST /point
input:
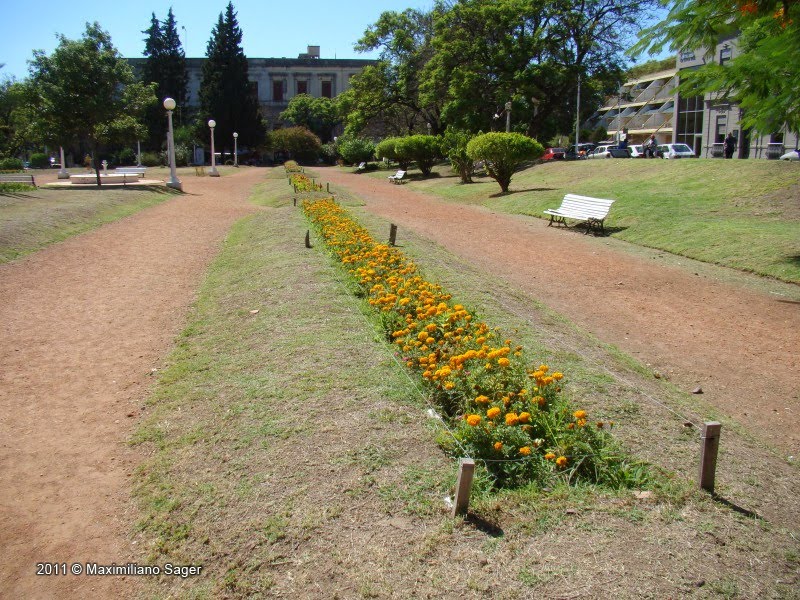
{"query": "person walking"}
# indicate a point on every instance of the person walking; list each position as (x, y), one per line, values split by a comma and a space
(730, 145)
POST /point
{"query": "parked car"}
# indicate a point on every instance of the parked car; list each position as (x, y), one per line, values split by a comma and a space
(580, 153)
(637, 151)
(675, 151)
(554, 154)
(791, 155)
(601, 152)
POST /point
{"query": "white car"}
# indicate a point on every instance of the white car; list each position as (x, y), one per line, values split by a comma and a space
(601, 152)
(791, 155)
(675, 151)
(637, 151)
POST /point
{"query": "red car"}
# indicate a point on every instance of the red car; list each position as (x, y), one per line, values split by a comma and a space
(553, 154)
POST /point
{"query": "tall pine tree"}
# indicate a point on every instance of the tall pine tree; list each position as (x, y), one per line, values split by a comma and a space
(166, 67)
(226, 94)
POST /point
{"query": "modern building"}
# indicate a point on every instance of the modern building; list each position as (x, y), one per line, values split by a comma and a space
(652, 104)
(275, 81)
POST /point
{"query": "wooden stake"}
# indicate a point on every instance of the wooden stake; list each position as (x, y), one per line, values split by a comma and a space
(466, 469)
(328, 187)
(295, 201)
(709, 445)
(308, 239)
(392, 234)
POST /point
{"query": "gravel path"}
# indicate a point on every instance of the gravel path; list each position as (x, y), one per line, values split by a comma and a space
(82, 324)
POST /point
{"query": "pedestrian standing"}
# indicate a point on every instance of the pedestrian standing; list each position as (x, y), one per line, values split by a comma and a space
(730, 145)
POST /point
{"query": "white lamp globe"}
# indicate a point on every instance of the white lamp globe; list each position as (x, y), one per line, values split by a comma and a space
(169, 104)
(212, 123)
(236, 135)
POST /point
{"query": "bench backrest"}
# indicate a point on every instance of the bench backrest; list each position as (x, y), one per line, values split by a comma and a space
(139, 170)
(596, 208)
(400, 174)
(11, 178)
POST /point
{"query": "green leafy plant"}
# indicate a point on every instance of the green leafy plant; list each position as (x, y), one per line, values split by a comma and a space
(300, 143)
(425, 150)
(356, 150)
(39, 160)
(11, 164)
(454, 145)
(503, 154)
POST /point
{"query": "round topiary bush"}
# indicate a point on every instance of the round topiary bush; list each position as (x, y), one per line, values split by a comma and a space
(356, 150)
(425, 150)
(11, 164)
(39, 160)
(503, 154)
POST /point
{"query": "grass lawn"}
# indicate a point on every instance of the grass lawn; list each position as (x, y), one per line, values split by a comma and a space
(31, 220)
(739, 214)
(291, 456)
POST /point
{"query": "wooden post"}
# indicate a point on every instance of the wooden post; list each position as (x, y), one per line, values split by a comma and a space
(466, 469)
(308, 239)
(709, 445)
(328, 187)
(392, 234)
(294, 200)
(295, 188)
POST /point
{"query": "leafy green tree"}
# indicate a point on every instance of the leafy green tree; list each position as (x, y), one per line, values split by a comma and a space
(298, 142)
(390, 90)
(12, 98)
(226, 94)
(355, 150)
(390, 149)
(503, 154)
(454, 145)
(763, 79)
(85, 92)
(317, 114)
(425, 150)
(166, 67)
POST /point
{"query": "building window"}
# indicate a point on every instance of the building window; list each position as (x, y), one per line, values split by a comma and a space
(725, 54)
(722, 126)
(302, 87)
(776, 138)
(327, 89)
(277, 90)
(687, 55)
(689, 125)
(253, 89)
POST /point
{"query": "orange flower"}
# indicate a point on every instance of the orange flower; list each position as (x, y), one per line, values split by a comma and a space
(503, 362)
(482, 400)
(524, 417)
(493, 412)
(579, 414)
(512, 419)
(498, 446)
(473, 419)
(525, 450)
(561, 461)
(549, 456)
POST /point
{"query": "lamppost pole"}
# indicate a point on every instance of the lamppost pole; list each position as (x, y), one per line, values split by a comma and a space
(235, 149)
(508, 117)
(62, 172)
(173, 182)
(429, 128)
(213, 172)
(138, 153)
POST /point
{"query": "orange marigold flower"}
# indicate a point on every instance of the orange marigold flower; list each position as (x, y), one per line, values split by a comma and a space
(558, 376)
(503, 362)
(482, 400)
(498, 446)
(524, 417)
(449, 385)
(525, 450)
(600, 424)
(579, 414)
(544, 368)
(473, 419)
(561, 461)
(549, 456)
(512, 419)
(493, 412)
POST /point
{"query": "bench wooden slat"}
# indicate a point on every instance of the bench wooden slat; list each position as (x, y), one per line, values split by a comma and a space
(13, 178)
(581, 208)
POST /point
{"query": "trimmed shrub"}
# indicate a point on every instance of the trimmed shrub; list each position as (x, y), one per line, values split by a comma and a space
(387, 148)
(300, 143)
(126, 156)
(151, 159)
(329, 153)
(454, 146)
(40, 160)
(425, 150)
(503, 154)
(11, 164)
(356, 150)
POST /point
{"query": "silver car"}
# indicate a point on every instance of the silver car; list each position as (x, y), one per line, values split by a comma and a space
(675, 151)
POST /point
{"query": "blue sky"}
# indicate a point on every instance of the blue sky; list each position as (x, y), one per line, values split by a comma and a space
(270, 29)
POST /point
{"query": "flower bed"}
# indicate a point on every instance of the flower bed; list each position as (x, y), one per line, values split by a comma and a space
(291, 166)
(506, 414)
(303, 183)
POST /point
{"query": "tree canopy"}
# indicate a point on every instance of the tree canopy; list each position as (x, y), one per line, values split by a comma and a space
(85, 92)
(317, 114)
(166, 67)
(763, 79)
(226, 93)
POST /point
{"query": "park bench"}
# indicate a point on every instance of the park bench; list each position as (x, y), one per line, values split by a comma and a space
(110, 179)
(131, 170)
(398, 177)
(581, 208)
(17, 178)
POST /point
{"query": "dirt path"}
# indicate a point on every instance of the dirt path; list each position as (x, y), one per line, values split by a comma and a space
(82, 324)
(740, 344)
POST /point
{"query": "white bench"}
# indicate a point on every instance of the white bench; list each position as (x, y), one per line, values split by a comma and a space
(361, 167)
(131, 170)
(581, 208)
(397, 177)
(111, 178)
(14, 178)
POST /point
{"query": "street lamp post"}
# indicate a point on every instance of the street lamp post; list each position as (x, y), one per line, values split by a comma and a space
(213, 172)
(173, 182)
(429, 128)
(62, 172)
(508, 117)
(138, 153)
(235, 149)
